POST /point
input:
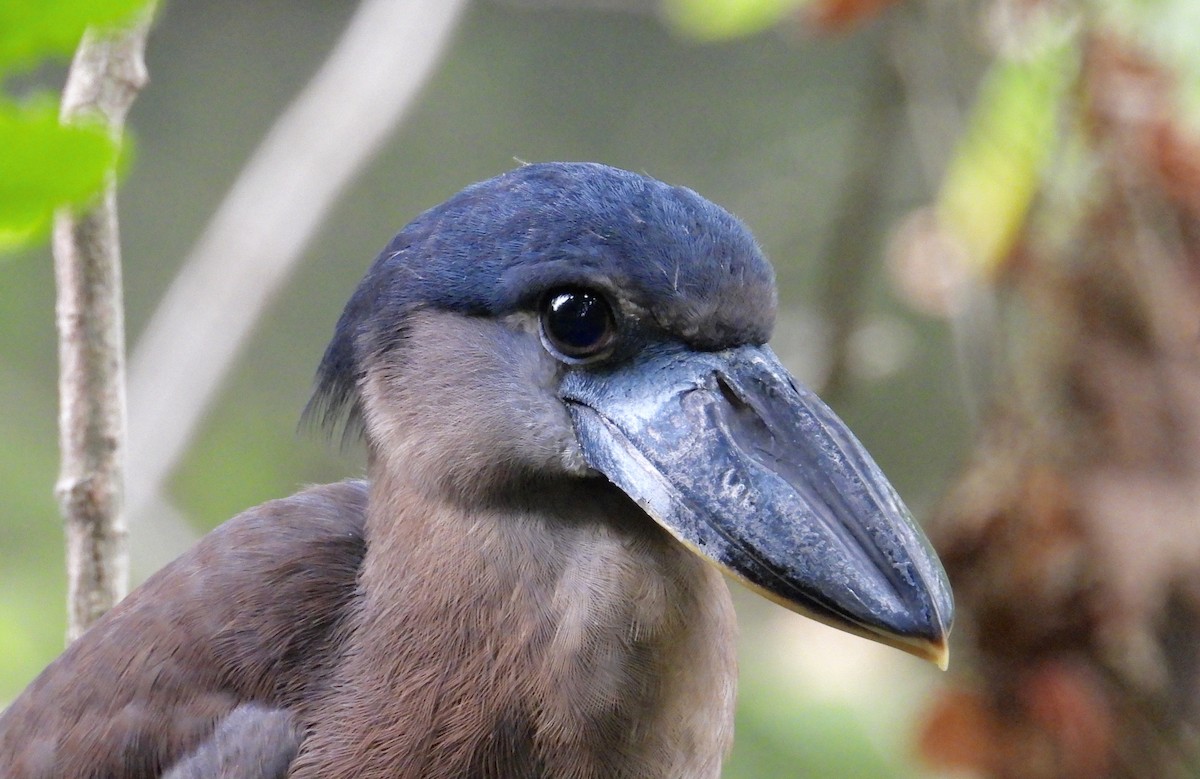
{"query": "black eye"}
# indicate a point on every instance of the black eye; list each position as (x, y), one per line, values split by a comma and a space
(577, 323)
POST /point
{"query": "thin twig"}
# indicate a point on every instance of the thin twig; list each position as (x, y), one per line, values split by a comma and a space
(105, 77)
(260, 232)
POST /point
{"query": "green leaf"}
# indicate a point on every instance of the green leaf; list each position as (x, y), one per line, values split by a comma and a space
(997, 169)
(46, 165)
(713, 20)
(31, 30)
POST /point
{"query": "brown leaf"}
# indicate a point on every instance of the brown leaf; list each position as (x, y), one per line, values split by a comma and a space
(833, 17)
(958, 734)
(1066, 701)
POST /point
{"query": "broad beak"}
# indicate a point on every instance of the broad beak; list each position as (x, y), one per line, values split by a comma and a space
(752, 471)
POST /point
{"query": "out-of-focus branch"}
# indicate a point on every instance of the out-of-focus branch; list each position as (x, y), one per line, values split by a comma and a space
(105, 77)
(926, 266)
(925, 71)
(860, 208)
(260, 231)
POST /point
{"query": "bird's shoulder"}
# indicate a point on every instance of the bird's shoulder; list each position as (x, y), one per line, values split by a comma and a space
(237, 618)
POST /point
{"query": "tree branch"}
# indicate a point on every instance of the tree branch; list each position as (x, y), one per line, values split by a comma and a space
(861, 206)
(105, 77)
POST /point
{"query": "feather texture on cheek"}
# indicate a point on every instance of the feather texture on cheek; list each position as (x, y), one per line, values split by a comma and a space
(468, 406)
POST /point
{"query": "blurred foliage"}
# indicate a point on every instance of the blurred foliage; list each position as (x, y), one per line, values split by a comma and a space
(46, 165)
(1012, 133)
(1076, 190)
(31, 30)
(711, 20)
(1024, 138)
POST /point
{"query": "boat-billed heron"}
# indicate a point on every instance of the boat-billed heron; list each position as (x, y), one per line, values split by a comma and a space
(574, 427)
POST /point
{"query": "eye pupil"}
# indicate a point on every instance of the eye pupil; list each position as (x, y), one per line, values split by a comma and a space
(577, 323)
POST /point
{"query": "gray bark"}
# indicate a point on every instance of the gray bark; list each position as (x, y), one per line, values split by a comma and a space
(105, 77)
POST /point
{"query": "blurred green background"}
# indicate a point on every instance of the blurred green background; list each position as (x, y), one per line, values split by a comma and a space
(770, 125)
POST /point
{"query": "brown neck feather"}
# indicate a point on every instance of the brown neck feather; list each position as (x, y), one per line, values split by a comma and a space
(508, 641)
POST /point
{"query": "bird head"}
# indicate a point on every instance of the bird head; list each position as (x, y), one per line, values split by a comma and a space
(572, 321)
